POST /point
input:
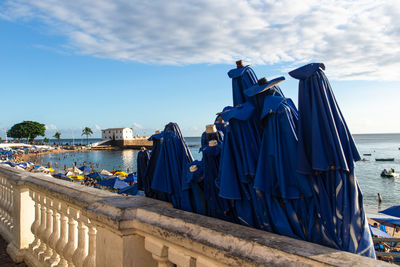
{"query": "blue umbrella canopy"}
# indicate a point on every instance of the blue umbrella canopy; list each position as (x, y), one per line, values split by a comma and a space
(171, 168)
(97, 176)
(84, 168)
(238, 164)
(242, 77)
(216, 206)
(143, 158)
(193, 181)
(326, 153)
(131, 178)
(151, 167)
(114, 183)
(286, 194)
(392, 211)
(130, 190)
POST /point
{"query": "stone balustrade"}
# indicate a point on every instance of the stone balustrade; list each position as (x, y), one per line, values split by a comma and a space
(50, 222)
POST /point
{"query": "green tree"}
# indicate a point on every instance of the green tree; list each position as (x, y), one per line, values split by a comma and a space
(46, 140)
(27, 129)
(87, 131)
(57, 135)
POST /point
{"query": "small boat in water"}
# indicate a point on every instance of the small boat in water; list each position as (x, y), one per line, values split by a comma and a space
(384, 159)
(367, 154)
(390, 175)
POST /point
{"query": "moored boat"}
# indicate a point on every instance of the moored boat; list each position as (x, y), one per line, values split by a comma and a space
(384, 159)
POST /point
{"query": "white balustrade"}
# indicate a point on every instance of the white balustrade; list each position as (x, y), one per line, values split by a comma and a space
(82, 249)
(49, 222)
(55, 234)
(63, 240)
(71, 246)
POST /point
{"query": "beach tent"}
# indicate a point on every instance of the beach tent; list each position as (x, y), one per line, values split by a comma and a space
(121, 173)
(61, 176)
(392, 211)
(388, 221)
(326, 154)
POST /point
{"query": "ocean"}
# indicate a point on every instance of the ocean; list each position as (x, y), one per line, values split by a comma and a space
(367, 172)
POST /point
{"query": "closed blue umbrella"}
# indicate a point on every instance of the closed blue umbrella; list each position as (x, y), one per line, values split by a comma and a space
(238, 164)
(326, 153)
(216, 206)
(143, 158)
(194, 184)
(287, 195)
(171, 168)
(242, 77)
(151, 167)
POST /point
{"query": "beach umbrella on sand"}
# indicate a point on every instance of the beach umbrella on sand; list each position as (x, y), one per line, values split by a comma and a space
(114, 183)
(286, 195)
(61, 176)
(85, 169)
(97, 176)
(105, 172)
(326, 154)
(242, 77)
(392, 211)
(238, 164)
(129, 190)
(121, 173)
(132, 178)
(143, 158)
(171, 168)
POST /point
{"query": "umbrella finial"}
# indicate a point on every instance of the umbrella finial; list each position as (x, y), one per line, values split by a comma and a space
(239, 64)
(262, 81)
(210, 128)
(193, 168)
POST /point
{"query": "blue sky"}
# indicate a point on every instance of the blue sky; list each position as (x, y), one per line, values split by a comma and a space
(124, 64)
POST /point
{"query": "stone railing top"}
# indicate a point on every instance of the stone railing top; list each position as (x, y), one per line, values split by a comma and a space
(134, 214)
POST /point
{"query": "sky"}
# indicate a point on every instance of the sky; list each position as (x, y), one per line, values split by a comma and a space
(141, 64)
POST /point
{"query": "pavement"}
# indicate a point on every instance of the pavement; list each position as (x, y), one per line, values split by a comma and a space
(5, 260)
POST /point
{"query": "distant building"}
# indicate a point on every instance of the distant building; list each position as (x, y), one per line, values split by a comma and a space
(117, 134)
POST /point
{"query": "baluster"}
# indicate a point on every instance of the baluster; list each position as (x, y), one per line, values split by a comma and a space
(49, 229)
(10, 206)
(90, 260)
(55, 235)
(158, 251)
(36, 223)
(42, 226)
(81, 252)
(70, 248)
(62, 242)
(2, 201)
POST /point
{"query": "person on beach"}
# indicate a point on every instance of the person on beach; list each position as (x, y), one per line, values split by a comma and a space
(379, 198)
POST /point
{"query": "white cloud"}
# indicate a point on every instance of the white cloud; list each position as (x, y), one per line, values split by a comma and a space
(98, 128)
(50, 127)
(355, 39)
(137, 126)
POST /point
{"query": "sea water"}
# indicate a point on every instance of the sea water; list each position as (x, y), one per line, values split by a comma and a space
(367, 172)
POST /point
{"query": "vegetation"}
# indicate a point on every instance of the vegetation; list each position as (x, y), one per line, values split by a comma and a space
(87, 131)
(27, 129)
(46, 140)
(57, 135)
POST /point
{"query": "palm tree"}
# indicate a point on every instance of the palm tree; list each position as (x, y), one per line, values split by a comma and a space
(57, 135)
(87, 131)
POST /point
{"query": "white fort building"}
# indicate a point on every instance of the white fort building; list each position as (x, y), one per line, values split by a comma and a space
(117, 134)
